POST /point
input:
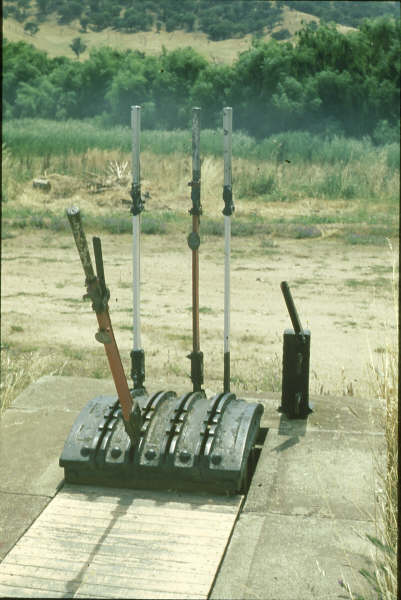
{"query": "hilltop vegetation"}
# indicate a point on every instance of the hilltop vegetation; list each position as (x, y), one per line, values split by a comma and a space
(219, 19)
(349, 13)
(326, 82)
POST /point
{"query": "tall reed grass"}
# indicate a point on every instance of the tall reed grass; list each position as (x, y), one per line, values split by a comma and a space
(383, 373)
(40, 137)
(253, 179)
(384, 383)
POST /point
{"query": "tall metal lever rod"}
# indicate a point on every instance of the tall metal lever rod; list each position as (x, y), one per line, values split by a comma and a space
(99, 294)
(296, 323)
(227, 212)
(196, 355)
(137, 353)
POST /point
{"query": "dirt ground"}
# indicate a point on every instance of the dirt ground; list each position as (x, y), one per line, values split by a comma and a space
(343, 294)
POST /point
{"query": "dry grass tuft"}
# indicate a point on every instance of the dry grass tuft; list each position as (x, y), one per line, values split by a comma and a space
(384, 385)
(18, 371)
(383, 579)
(9, 181)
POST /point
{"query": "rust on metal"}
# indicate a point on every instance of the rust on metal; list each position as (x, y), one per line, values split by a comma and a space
(99, 294)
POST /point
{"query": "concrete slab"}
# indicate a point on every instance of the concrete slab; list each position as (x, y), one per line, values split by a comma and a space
(30, 444)
(310, 505)
(17, 513)
(331, 413)
(307, 511)
(281, 557)
(34, 429)
(325, 474)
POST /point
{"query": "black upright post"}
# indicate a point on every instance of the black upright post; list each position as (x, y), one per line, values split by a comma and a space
(296, 357)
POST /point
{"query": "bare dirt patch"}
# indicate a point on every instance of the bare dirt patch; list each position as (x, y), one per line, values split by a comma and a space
(343, 295)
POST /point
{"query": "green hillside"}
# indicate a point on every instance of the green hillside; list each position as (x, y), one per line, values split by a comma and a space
(218, 19)
(298, 72)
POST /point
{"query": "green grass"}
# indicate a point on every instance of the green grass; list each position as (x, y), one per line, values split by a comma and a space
(73, 300)
(262, 185)
(202, 309)
(26, 138)
(353, 283)
(372, 236)
(296, 227)
(322, 171)
(23, 218)
(378, 281)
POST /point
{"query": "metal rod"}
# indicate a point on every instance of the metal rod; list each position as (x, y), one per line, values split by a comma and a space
(193, 241)
(136, 226)
(296, 323)
(228, 210)
(97, 248)
(196, 165)
(196, 174)
(136, 232)
(99, 294)
(195, 290)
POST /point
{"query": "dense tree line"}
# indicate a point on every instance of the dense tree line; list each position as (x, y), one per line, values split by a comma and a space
(348, 12)
(219, 19)
(326, 81)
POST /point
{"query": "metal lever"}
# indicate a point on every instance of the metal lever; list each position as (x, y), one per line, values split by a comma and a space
(196, 356)
(99, 294)
(296, 356)
(97, 249)
(227, 212)
(137, 352)
(296, 323)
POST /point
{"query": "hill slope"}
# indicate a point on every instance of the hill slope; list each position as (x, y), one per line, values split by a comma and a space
(55, 39)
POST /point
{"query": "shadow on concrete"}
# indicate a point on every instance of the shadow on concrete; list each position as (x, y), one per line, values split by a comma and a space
(287, 444)
(295, 427)
(120, 510)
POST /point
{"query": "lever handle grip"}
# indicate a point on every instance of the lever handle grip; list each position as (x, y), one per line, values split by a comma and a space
(296, 323)
(97, 249)
(74, 217)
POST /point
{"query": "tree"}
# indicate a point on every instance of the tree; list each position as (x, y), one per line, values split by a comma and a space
(23, 6)
(84, 22)
(31, 27)
(43, 5)
(127, 87)
(78, 46)
(43, 8)
(97, 74)
(68, 11)
(135, 20)
(38, 100)
(282, 34)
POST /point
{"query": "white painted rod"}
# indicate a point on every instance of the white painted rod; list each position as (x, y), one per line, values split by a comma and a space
(227, 243)
(136, 149)
(227, 130)
(136, 227)
(136, 230)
